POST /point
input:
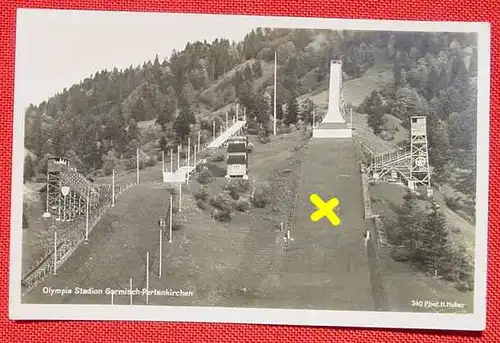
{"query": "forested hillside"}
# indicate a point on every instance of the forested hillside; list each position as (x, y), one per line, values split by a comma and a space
(95, 122)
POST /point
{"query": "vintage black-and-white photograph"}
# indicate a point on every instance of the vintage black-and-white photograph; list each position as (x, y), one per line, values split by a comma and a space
(206, 162)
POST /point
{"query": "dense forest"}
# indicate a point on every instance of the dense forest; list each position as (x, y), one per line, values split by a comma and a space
(435, 76)
(97, 120)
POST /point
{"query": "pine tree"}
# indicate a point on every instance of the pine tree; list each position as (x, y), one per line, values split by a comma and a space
(29, 169)
(409, 223)
(139, 111)
(433, 239)
(308, 111)
(167, 114)
(375, 111)
(432, 86)
(25, 217)
(182, 124)
(440, 153)
(162, 144)
(292, 110)
(473, 64)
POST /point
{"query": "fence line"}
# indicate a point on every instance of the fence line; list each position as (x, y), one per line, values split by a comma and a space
(68, 245)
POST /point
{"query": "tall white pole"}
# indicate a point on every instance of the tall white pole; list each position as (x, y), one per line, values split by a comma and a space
(314, 115)
(112, 298)
(59, 206)
(227, 120)
(55, 252)
(113, 190)
(244, 114)
(189, 152)
(350, 112)
(137, 165)
(199, 139)
(213, 130)
(237, 112)
(180, 197)
(87, 216)
(161, 251)
(171, 160)
(179, 156)
(131, 301)
(162, 161)
(195, 157)
(147, 278)
(170, 220)
(275, 83)
(48, 182)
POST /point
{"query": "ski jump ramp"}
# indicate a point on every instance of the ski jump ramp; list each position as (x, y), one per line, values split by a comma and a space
(182, 173)
(217, 142)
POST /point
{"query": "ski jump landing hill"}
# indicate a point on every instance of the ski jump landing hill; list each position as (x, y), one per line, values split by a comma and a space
(333, 260)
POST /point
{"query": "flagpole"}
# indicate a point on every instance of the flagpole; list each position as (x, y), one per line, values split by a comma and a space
(137, 162)
(171, 160)
(55, 252)
(180, 196)
(87, 216)
(170, 219)
(147, 278)
(113, 185)
(275, 82)
(189, 152)
(350, 112)
(179, 156)
(159, 262)
(162, 161)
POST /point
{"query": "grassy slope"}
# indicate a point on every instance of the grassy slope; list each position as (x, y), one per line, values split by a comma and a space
(214, 260)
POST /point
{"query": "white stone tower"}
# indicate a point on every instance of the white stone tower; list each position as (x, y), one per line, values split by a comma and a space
(334, 124)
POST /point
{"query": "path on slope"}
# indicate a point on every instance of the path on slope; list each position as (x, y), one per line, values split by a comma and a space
(327, 266)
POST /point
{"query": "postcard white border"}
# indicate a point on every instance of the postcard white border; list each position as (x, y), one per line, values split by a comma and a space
(473, 322)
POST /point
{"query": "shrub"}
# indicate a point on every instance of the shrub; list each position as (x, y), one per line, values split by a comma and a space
(25, 217)
(452, 202)
(204, 176)
(264, 139)
(221, 200)
(223, 207)
(238, 187)
(262, 195)
(253, 131)
(201, 204)
(176, 223)
(222, 215)
(202, 194)
(243, 205)
(151, 162)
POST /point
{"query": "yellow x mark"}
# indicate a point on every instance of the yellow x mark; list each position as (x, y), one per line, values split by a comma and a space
(325, 209)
